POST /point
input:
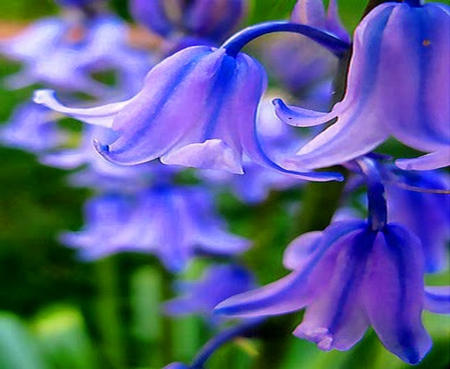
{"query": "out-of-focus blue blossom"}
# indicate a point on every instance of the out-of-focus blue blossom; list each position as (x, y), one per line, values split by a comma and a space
(397, 86)
(96, 172)
(182, 115)
(303, 67)
(63, 55)
(31, 128)
(208, 19)
(174, 223)
(349, 277)
(218, 283)
(427, 215)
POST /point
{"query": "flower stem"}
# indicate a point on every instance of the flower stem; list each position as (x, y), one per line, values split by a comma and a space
(212, 345)
(236, 42)
(375, 193)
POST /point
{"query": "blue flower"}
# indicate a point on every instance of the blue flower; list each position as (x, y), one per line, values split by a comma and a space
(173, 223)
(398, 85)
(197, 108)
(349, 277)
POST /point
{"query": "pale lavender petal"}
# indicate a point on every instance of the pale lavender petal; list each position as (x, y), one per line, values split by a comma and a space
(333, 22)
(299, 117)
(336, 319)
(301, 249)
(394, 294)
(309, 12)
(211, 154)
(431, 161)
(437, 299)
(101, 116)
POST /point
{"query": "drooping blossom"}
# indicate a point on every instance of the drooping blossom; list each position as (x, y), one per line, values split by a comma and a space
(349, 277)
(352, 275)
(197, 108)
(173, 223)
(398, 85)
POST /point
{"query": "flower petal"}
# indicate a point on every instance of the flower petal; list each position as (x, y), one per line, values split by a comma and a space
(437, 299)
(211, 154)
(336, 318)
(299, 117)
(435, 160)
(394, 294)
(101, 116)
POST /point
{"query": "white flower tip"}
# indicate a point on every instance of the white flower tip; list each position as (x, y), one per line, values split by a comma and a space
(43, 96)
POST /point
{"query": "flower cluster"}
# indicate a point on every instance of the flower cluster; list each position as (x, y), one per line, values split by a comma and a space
(206, 107)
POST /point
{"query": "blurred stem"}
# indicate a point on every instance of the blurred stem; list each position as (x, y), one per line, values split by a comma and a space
(108, 312)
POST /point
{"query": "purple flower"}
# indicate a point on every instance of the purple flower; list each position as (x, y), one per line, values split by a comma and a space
(31, 128)
(172, 223)
(183, 114)
(176, 366)
(427, 215)
(397, 86)
(210, 19)
(51, 57)
(217, 284)
(349, 276)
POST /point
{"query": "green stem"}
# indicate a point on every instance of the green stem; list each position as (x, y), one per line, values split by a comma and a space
(108, 312)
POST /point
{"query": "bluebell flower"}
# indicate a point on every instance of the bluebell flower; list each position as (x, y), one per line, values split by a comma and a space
(425, 214)
(209, 19)
(349, 277)
(218, 283)
(31, 128)
(173, 223)
(197, 108)
(397, 86)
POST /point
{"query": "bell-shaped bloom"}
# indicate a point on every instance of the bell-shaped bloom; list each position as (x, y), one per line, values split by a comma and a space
(218, 283)
(32, 129)
(398, 85)
(210, 19)
(173, 223)
(197, 108)
(425, 214)
(349, 277)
